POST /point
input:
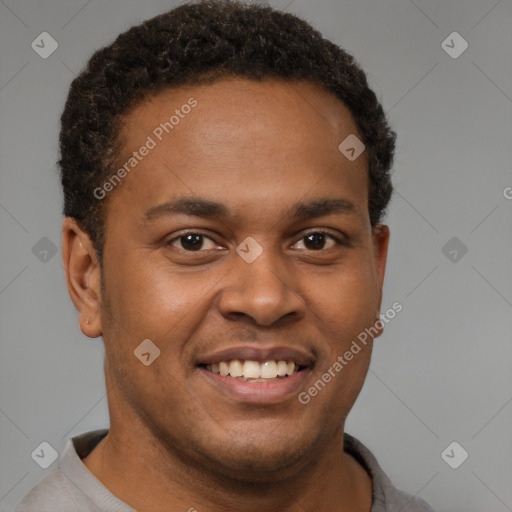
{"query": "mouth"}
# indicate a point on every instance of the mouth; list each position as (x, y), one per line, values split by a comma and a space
(257, 375)
(253, 371)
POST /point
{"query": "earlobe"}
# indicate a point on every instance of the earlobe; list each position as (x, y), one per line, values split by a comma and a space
(83, 276)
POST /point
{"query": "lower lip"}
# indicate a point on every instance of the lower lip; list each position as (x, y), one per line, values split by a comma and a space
(258, 392)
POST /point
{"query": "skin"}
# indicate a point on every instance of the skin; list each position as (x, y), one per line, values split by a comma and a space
(175, 441)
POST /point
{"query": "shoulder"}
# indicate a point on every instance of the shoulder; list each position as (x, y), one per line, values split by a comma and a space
(51, 494)
(386, 497)
(397, 500)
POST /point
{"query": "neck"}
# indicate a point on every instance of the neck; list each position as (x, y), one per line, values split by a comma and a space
(148, 477)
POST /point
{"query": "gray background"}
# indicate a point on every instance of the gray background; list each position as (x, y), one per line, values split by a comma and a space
(442, 370)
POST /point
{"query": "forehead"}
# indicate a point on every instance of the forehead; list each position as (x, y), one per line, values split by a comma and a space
(263, 141)
(227, 102)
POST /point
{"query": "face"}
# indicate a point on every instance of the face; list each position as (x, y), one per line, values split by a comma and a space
(242, 235)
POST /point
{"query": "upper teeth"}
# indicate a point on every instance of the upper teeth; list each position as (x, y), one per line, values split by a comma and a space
(253, 369)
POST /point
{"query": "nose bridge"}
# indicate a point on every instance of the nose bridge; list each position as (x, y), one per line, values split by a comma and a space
(260, 286)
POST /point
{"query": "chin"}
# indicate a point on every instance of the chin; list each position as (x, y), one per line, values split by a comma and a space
(260, 460)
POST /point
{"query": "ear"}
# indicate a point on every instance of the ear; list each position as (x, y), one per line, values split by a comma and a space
(380, 248)
(83, 276)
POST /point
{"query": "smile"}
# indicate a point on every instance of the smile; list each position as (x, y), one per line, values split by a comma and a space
(250, 388)
(254, 371)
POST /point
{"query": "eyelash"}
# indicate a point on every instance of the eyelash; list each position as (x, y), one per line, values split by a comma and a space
(337, 240)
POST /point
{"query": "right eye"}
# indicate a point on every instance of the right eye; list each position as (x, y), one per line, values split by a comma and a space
(191, 241)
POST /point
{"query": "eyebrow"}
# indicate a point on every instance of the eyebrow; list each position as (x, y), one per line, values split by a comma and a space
(198, 207)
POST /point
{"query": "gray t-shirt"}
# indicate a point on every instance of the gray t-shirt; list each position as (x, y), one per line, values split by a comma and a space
(73, 488)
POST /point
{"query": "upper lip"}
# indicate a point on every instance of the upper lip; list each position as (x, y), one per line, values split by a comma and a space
(260, 354)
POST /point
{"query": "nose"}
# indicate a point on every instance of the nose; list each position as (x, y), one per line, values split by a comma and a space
(263, 291)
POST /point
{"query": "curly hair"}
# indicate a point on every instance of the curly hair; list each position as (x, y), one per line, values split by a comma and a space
(198, 43)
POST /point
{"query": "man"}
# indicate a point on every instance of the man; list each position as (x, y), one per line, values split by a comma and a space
(225, 174)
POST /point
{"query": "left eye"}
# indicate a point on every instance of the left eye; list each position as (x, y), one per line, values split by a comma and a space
(316, 240)
(192, 241)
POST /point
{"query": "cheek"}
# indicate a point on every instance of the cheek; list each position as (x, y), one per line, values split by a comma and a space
(150, 299)
(343, 311)
(344, 301)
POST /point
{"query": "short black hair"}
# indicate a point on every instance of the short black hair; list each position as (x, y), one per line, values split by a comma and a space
(195, 43)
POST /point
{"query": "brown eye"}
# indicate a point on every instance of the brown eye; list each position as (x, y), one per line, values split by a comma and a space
(191, 242)
(317, 240)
